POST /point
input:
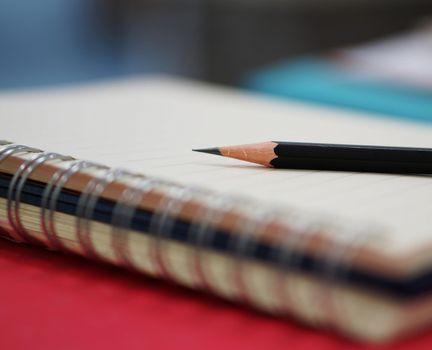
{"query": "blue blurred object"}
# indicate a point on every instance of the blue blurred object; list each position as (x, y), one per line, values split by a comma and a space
(316, 80)
(54, 41)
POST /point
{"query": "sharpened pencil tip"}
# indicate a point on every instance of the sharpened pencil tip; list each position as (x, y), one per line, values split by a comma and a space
(214, 150)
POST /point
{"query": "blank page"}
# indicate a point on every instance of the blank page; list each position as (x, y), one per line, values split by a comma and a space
(150, 126)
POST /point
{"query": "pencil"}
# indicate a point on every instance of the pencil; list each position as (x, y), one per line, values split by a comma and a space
(337, 157)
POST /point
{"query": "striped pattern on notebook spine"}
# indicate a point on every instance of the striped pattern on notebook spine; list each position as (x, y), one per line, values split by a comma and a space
(280, 261)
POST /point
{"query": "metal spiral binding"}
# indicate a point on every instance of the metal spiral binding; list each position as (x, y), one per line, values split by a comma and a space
(201, 233)
(4, 154)
(280, 300)
(122, 218)
(244, 244)
(50, 199)
(300, 233)
(16, 187)
(86, 206)
(205, 233)
(330, 270)
(162, 222)
(339, 258)
(10, 150)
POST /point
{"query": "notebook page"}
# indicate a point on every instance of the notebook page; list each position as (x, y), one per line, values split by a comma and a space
(151, 125)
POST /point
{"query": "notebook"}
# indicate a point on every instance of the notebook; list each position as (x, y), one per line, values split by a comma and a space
(345, 251)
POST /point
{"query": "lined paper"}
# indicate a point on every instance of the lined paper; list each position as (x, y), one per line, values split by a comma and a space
(150, 126)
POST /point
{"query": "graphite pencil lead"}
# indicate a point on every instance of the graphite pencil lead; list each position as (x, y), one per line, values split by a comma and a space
(214, 150)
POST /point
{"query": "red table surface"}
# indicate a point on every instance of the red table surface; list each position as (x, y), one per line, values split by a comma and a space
(55, 301)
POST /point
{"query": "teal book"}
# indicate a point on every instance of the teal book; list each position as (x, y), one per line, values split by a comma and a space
(322, 81)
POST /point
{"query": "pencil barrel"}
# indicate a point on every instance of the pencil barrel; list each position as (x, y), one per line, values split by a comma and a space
(313, 151)
(354, 165)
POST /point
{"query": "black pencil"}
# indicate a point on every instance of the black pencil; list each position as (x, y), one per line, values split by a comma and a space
(338, 157)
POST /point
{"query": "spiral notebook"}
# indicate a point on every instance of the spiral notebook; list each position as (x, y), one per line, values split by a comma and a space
(106, 171)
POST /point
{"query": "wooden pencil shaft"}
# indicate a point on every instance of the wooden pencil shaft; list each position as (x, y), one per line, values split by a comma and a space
(338, 157)
(355, 165)
(353, 152)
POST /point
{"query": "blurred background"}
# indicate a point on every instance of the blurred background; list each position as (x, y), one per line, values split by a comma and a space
(338, 52)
